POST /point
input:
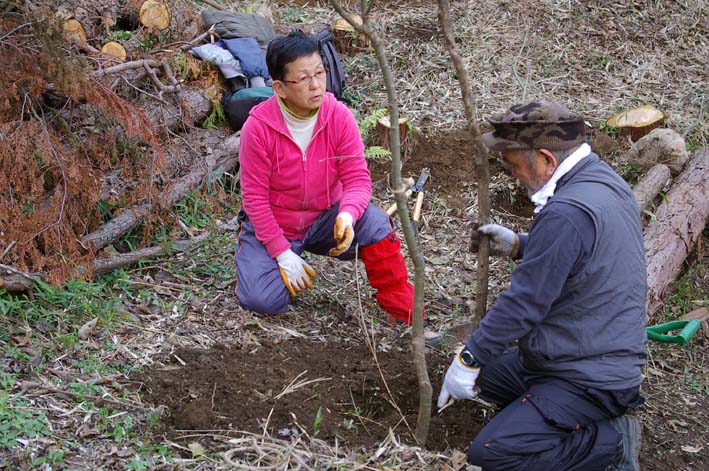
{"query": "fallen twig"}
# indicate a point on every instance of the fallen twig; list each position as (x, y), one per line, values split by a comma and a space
(29, 385)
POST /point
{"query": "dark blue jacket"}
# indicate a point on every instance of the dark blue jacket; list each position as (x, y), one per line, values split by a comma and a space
(577, 301)
(249, 54)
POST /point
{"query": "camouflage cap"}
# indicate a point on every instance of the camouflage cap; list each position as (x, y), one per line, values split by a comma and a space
(541, 124)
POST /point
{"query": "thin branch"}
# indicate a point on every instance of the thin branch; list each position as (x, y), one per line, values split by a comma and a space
(31, 277)
(481, 164)
(125, 66)
(417, 340)
(7, 249)
(371, 344)
(27, 385)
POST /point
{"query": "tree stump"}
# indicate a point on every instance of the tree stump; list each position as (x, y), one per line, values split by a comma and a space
(349, 41)
(637, 122)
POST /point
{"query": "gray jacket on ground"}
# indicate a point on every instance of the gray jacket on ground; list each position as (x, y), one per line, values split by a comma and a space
(240, 25)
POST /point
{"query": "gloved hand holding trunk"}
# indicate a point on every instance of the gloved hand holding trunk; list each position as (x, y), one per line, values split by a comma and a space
(503, 241)
(296, 273)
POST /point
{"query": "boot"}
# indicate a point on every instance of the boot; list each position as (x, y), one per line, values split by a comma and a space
(630, 430)
(386, 271)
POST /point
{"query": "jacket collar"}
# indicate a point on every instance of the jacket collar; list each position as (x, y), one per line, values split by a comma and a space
(269, 113)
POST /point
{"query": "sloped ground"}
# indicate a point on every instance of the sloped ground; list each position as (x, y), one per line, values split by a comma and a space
(248, 385)
(193, 374)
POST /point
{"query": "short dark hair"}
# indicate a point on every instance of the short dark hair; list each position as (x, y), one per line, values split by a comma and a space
(283, 51)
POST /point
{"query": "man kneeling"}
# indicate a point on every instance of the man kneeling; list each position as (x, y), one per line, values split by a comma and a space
(576, 304)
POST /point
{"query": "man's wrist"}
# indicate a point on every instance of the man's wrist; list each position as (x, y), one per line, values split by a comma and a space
(467, 358)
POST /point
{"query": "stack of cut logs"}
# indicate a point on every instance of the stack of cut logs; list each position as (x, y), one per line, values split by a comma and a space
(675, 226)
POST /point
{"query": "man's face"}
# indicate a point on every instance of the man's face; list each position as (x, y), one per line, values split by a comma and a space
(303, 87)
(533, 168)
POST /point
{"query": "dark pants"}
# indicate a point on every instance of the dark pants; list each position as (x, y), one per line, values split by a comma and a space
(260, 287)
(546, 423)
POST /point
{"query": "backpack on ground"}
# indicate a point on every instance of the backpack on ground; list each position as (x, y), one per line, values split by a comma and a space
(238, 104)
(331, 60)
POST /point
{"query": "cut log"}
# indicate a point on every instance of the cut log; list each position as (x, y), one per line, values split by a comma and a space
(16, 284)
(678, 225)
(182, 152)
(115, 50)
(650, 186)
(219, 161)
(73, 32)
(16, 281)
(103, 266)
(155, 15)
(194, 107)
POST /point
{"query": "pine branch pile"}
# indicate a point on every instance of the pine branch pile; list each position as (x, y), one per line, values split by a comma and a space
(83, 135)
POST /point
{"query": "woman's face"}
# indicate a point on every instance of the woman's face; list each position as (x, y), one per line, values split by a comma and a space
(303, 87)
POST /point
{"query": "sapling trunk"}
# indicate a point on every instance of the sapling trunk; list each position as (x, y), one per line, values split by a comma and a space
(418, 345)
(481, 165)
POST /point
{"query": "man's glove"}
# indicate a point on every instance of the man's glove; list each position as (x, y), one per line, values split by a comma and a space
(295, 272)
(459, 382)
(503, 241)
(344, 233)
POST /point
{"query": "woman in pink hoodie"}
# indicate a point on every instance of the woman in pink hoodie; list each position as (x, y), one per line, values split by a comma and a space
(306, 187)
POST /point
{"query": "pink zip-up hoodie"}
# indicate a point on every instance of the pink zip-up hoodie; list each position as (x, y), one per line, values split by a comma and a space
(283, 189)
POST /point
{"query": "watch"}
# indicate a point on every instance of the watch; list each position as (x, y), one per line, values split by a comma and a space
(468, 359)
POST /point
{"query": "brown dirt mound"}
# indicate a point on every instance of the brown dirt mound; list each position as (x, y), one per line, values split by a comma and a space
(229, 388)
(449, 155)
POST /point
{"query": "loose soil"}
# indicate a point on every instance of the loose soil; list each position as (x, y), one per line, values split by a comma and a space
(237, 380)
(282, 388)
(450, 157)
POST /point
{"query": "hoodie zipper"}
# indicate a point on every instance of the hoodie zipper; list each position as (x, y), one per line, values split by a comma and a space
(304, 159)
(305, 176)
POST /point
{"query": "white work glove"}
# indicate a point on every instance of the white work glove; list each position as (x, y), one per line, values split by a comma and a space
(459, 382)
(344, 233)
(295, 272)
(503, 242)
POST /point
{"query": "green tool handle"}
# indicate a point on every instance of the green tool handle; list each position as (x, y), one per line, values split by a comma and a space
(689, 328)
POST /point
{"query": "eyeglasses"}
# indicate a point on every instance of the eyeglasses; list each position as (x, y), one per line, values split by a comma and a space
(303, 81)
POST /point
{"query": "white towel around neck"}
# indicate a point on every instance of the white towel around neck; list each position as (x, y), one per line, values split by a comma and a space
(541, 197)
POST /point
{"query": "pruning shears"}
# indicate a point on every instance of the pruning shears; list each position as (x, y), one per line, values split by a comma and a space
(659, 333)
(418, 189)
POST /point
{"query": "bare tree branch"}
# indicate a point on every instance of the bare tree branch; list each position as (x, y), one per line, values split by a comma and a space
(481, 164)
(399, 190)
